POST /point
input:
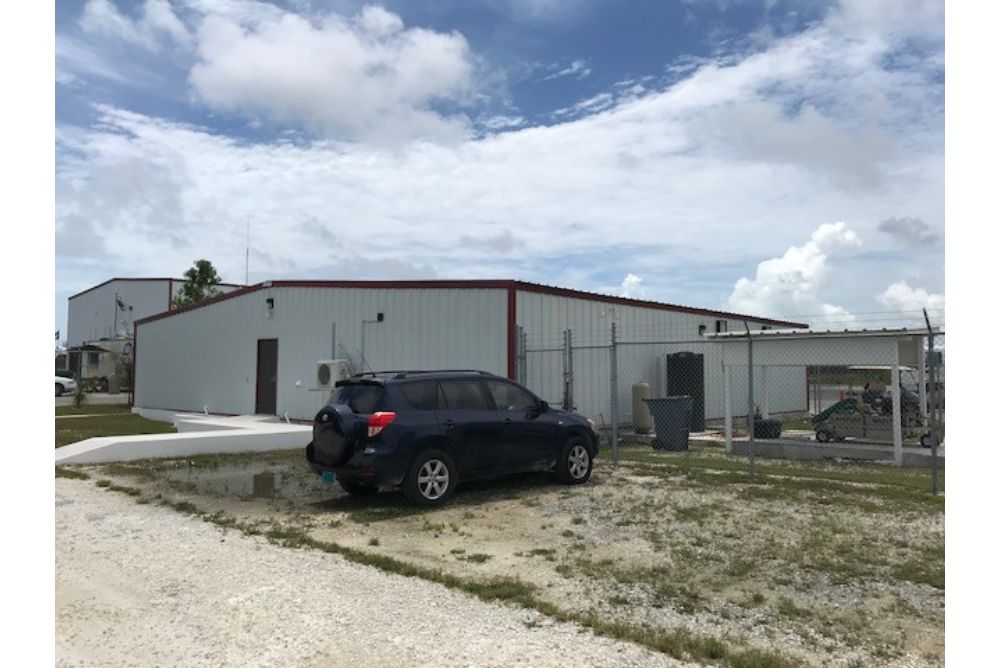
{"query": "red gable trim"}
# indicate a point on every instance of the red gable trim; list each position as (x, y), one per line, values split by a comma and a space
(481, 284)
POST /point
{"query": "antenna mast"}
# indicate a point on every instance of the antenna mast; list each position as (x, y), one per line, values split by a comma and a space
(246, 275)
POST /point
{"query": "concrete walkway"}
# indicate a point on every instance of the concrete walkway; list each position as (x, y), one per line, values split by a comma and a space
(196, 435)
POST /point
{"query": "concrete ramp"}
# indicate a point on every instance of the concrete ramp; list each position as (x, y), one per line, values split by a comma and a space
(197, 434)
(862, 452)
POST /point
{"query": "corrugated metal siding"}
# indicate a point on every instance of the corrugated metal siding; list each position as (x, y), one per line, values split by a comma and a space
(91, 316)
(208, 356)
(544, 317)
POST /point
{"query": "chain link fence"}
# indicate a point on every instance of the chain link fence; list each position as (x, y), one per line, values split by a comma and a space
(812, 388)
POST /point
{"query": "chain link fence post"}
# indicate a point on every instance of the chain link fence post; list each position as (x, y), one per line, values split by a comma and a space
(751, 413)
(614, 395)
(567, 402)
(932, 415)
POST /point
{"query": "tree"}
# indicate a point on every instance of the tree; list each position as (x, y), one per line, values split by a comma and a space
(200, 284)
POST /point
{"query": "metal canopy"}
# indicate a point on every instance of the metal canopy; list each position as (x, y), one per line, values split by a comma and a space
(886, 348)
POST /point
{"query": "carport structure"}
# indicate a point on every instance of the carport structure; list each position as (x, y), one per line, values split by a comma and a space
(891, 348)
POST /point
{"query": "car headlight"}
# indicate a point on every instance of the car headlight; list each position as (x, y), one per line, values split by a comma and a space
(593, 425)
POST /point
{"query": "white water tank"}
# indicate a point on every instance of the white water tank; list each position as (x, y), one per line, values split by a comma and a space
(641, 419)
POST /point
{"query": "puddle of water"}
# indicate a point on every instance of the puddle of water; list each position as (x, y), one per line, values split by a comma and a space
(250, 483)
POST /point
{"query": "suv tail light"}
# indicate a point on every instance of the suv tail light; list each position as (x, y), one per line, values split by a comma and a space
(379, 421)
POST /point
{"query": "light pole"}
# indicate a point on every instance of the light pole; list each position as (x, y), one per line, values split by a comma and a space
(364, 362)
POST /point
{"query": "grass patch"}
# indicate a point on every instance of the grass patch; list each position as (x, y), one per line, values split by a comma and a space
(477, 558)
(93, 409)
(79, 429)
(72, 474)
(921, 572)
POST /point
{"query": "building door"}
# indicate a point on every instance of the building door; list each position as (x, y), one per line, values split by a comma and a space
(267, 376)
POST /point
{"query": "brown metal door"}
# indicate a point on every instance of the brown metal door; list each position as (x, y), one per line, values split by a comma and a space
(267, 376)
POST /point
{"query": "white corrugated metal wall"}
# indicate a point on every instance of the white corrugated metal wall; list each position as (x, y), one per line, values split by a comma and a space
(91, 315)
(208, 356)
(544, 317)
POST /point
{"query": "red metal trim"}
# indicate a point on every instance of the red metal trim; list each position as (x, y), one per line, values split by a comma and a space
(482, 284)
(512, 333)
(210, 300)
(642, 303)
(418, 284)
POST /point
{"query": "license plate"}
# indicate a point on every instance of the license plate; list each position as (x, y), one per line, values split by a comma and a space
(329, 477)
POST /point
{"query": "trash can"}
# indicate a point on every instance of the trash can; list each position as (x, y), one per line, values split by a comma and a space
(671, 421)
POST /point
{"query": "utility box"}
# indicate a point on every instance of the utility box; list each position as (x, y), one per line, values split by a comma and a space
(672, 418)
(686, 377)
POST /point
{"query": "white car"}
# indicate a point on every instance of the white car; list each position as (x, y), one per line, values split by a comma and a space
(64, 385)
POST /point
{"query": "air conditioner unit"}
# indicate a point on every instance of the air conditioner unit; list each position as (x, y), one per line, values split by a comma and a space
(328, 372)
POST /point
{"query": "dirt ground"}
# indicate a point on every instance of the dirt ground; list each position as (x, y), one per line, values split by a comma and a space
(815, 564)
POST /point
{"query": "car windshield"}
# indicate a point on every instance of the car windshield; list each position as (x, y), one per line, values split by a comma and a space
(360, 397)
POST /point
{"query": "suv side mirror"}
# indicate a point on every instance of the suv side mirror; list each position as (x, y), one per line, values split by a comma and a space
(542, 407)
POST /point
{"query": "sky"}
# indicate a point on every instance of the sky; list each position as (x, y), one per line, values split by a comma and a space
(783, 159)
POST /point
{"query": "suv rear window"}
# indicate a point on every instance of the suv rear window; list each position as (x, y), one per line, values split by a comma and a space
(360, 397)
(423, 395)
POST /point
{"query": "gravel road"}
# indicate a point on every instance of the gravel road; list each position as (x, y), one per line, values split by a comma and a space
(144, 585)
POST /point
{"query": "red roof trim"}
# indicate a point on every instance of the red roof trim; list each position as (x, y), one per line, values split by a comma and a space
(206, 302)
(511, 333)
(642, 303)
(479, 284)
(112, 280)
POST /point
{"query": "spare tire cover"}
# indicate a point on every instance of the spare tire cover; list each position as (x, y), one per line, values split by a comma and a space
(336, 431)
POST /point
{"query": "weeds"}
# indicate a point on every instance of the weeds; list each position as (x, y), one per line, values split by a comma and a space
(72, 474)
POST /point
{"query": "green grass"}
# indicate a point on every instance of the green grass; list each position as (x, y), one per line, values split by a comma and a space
(92, 409)
(73, 474)
(78, 429)
(703, 466)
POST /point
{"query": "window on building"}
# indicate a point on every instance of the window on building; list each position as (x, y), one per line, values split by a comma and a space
(93, 358)
(721, 326)
(701, 330)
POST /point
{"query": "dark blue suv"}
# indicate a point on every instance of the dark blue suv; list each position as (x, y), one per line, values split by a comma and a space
(427, 430)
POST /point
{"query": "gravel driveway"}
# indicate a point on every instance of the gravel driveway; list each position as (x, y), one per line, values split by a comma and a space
(144, 585)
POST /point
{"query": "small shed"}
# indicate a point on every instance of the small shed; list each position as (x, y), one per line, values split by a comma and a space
(891, 348)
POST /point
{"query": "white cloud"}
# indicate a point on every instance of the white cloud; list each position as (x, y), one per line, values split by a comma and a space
(368, 77)
(901, 297)
(644, 174)
(502, 122)
(631, 286)
(157, 21)
(795, 284)
(577, 68)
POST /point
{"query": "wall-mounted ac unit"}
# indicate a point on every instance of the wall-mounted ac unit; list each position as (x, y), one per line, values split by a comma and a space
(328, 372)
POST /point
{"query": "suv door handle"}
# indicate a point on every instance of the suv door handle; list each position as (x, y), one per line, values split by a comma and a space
(448, 424)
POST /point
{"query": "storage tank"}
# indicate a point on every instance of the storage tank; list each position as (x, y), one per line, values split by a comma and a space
(641, 419)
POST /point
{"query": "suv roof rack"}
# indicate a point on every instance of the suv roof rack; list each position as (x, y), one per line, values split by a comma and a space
(403, 373)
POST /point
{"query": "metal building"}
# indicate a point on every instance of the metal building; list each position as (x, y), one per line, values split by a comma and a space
(255, 350)
(109, 309)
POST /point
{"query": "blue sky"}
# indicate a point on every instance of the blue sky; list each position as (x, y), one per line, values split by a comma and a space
(780, 158)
